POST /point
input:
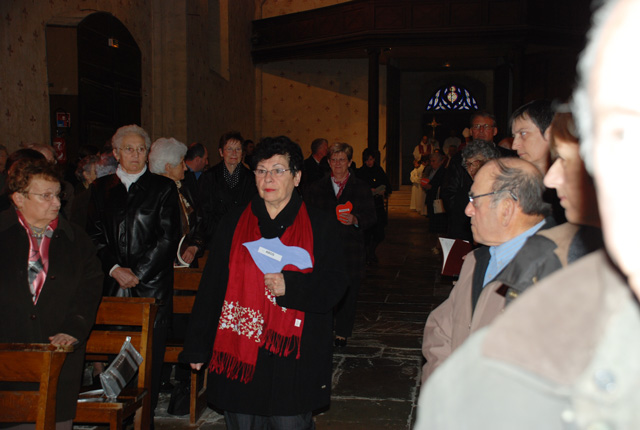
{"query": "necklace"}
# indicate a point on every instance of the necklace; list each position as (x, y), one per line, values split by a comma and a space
(37, 231)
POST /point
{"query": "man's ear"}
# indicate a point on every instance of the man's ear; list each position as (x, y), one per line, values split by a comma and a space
(507, 211)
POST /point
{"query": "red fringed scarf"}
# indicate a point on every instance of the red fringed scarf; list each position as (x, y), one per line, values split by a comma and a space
(38, 263)
(250, 317)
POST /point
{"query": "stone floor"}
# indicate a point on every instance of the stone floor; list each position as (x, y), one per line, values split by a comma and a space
(376, 377)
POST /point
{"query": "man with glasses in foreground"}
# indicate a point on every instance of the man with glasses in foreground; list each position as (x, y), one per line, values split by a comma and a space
(506, 208)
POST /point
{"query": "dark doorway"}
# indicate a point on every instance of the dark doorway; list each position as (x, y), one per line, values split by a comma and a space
(94, 68)
(109, 73)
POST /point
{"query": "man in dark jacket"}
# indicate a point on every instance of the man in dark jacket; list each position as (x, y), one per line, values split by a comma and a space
(226, 185)
(134, 220)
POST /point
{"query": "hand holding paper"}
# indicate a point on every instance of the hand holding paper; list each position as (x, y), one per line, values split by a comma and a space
(343, 212)
(271, 255)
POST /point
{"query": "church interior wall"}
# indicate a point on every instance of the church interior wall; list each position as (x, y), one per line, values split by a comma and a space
(307, 99)
(217, 103)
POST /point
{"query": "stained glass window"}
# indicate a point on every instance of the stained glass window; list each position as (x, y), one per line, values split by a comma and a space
(452, 97)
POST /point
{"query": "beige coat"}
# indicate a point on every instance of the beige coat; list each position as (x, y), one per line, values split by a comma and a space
(453, 321)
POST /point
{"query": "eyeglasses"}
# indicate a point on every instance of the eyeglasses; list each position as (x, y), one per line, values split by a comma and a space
(130, 149)
(48, 196)
(472, 197)
(475, 163)
(261, 173)
(482, 126)
(338, 160)
(230, 150)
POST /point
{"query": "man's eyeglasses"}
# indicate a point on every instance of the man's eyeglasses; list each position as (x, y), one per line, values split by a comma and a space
(130, 149)
(48, 196)
(482, 126)
(472, 197)
(261, 173)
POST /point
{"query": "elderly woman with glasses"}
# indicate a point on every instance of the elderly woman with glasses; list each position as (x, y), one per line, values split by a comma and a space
(51, 280)
(262, 319)
(457, 183)
(351, 200)
(134, 220)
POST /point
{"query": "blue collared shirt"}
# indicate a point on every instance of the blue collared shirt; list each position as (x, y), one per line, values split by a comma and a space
(502, 255)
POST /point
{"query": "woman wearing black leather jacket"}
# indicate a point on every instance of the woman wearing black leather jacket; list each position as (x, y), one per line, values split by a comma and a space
(134, 220)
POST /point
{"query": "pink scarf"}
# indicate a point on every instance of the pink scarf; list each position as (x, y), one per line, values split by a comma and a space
(38, 264)
(340, 184)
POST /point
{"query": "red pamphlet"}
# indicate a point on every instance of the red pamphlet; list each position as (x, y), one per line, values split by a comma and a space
(453, 251)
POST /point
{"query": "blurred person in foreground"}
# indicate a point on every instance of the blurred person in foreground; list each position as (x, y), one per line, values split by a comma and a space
(578, 366)
(262, 319)
(51, 281)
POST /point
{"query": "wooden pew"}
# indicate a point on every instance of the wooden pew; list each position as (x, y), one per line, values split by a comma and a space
(188, 280)
(31, 362)
(138, 316)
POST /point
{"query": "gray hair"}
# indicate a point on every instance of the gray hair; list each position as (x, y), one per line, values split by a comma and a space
(480, 147)
(341, 147)
(107, 165)
(580, 105)
(84, 166)
(163, 151)
(123, 131)
(524, 186)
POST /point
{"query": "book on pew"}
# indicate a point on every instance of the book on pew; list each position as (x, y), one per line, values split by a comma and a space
(453, 251)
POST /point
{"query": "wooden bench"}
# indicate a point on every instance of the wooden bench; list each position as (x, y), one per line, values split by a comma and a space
(31, 362)
(188, 280)
(136, 317)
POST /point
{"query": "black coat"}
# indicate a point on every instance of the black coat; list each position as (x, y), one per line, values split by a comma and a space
(312, 171)
(454, 193)
(67, 304)
(217, 198)
(321, 195)
(281, 385)
(140, 230)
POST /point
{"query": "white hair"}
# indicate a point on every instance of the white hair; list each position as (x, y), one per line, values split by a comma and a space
(163, 151)
(125, 130)
(580, 104)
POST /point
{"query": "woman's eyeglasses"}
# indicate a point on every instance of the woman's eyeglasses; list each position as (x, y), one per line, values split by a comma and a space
(130, 149)
(261, 173)
(48, 196)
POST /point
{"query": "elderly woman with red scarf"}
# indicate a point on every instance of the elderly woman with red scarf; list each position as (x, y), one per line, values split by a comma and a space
(262, 320)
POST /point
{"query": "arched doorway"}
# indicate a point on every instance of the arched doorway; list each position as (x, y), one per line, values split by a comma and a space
(94, 68)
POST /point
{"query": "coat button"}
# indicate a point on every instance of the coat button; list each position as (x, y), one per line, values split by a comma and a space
(33, 316)
(52, 277)
(605, 380)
